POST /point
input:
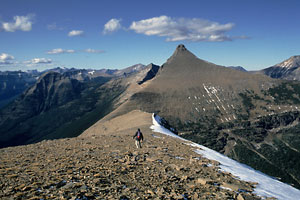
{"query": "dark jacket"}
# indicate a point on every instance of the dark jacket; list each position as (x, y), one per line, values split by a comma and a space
(136, 134)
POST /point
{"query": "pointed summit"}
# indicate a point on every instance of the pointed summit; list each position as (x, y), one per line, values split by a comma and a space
(181, 47)
(181, 51)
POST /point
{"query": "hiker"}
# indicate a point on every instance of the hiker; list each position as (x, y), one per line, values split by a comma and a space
(138, 138)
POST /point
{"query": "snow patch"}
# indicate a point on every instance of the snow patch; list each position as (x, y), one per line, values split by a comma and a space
(223, 107)
(225, 188)
(266, 186)
(92, 72)
(155, 136)
(156, 127)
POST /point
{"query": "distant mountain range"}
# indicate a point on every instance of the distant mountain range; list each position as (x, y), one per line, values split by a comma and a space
(13, 83)
(238, 68)
(289, 69)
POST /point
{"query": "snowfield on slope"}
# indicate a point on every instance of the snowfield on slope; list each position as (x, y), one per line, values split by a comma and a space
(266, 187)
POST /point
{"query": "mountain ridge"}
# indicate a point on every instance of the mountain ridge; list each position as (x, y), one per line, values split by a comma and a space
(288, 69)
(14, 83)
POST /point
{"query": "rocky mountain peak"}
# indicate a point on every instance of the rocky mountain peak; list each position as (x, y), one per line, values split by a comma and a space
(181, 51)
(292, 62)
(152, 71)
(289, 69)
(52, 88)
(181, 47)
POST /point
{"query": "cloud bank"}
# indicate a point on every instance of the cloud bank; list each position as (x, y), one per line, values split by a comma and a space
(54, 26)
(6, 58)
(75, 33)
(21, 23)
(39, 61)
(112, 25)
(178, 29)
(93, 51)
(60, 51)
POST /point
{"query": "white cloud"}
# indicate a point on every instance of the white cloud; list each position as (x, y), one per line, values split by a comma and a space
(39, 61)
(22, 23)
(177, 29)
(54, 26)
(60, 51)
(75, 33)
(6, 58)
(94, 51)
(112, 26)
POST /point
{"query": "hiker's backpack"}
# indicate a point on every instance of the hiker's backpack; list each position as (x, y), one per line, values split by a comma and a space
(138, 135)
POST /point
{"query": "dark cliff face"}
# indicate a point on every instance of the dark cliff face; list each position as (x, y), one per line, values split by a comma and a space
(52, 89)
(13, 84)
(59, 105)
(153, 69)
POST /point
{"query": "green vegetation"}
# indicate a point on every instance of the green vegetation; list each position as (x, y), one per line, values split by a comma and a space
(209, 139)
(283, 157)
(275, 164)
(280, 160)
(206, 133)
(292, 137)
(247, 101)
(251, 134)
(286, 92)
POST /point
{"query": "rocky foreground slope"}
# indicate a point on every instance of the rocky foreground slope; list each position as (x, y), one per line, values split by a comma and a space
(108, 166)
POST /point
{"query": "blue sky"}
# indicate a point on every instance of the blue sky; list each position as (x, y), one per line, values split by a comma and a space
(36, 34)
